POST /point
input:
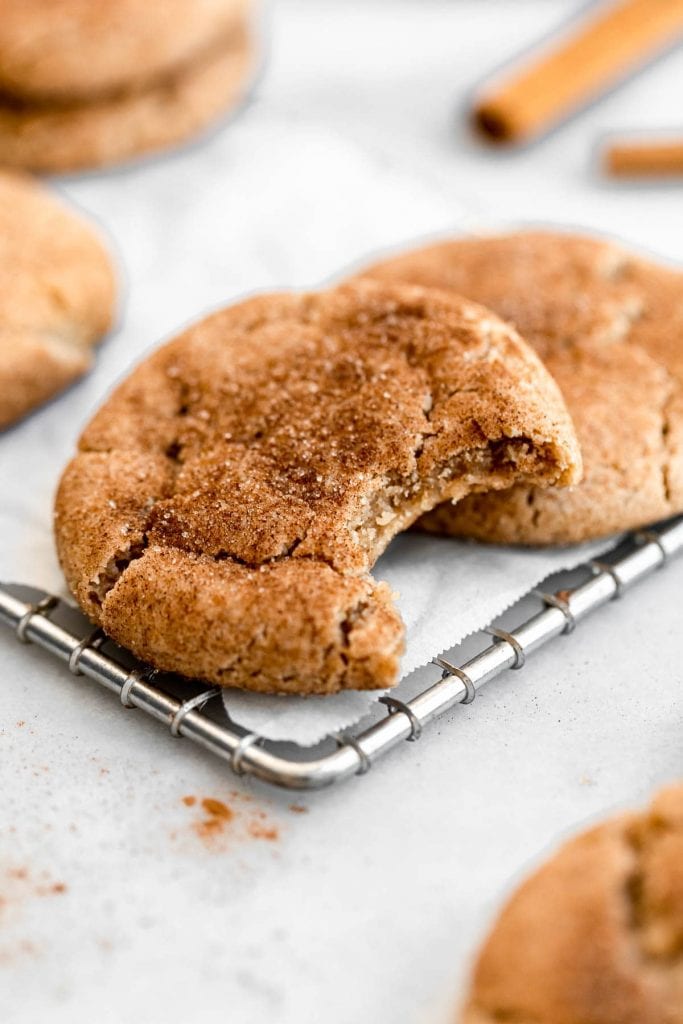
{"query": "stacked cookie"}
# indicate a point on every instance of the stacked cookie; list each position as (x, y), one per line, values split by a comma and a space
(86, 84)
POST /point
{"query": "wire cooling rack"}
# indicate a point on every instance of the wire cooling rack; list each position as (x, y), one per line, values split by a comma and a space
(185, 707)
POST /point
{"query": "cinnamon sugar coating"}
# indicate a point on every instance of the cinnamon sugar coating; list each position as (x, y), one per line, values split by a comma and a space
(609, 327)
(231, 496)
(57, 293)
(595, 936)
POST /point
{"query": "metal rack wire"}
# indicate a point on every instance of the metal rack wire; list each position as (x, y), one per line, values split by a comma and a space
(55, 626)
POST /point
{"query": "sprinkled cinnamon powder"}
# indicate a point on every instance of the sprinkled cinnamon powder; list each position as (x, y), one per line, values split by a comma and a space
(218, 815)
(19, 886)
(222, 822)
(298, 809)
(259, 831)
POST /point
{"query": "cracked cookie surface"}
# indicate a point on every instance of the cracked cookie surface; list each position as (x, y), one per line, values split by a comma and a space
(609, 327)
(230, 498)
(596, 935)
(57, 294)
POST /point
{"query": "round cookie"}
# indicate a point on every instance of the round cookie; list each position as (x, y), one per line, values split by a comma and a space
(595, 936)
(57, 294)
(68, 136)
(609, 327)
(229, 499)
(68, 49)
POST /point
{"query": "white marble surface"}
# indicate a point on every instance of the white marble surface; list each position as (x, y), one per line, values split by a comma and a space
(368, 906)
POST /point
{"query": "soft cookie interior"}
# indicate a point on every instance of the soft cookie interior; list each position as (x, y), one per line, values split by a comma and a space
(609, 328)
(288, 439)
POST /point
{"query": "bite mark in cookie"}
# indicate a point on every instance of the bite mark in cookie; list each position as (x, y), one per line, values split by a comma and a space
(277, 447)
(609, 327)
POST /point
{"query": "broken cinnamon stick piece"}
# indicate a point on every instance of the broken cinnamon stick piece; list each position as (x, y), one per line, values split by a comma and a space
(601, 51)
(644, 159)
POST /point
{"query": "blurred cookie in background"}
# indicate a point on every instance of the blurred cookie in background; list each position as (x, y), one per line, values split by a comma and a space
(57, 295)
(596, 935)
(87, 85)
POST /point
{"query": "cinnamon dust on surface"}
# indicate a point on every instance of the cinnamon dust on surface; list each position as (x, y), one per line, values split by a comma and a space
(260, 828)
(216, 817)
(220, 823)
(19, 885)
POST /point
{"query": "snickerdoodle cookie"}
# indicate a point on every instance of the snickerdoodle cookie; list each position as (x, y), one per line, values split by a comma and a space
(609, 327)
(596, 935)
(57, 294)
(230, 498)
(84, 84)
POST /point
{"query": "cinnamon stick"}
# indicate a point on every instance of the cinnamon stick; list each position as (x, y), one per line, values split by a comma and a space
(602, 50)
(644, 159)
